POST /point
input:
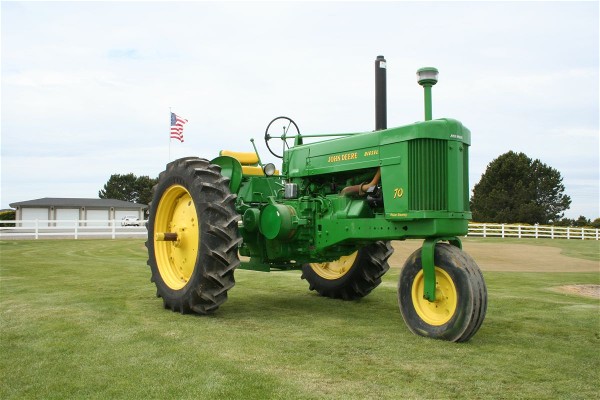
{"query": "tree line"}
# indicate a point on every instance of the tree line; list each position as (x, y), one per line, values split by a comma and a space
(513, 189)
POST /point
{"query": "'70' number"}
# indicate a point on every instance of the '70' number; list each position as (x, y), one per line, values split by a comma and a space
(398, 192)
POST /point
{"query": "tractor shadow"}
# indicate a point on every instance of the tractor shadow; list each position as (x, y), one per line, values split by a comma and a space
(293, 303)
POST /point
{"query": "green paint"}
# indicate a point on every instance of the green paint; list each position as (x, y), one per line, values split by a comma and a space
(428, 106)
(424, 186)
(423, 193)
(232, 169)
(428, 263)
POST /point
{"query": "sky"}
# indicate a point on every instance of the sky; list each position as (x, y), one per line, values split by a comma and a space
(86, 87)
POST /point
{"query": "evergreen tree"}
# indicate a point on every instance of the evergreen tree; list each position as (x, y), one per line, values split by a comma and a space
(128, 188)
(582, 221)
(515, 188)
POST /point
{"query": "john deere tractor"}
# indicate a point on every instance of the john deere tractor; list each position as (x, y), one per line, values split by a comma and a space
(331, 212)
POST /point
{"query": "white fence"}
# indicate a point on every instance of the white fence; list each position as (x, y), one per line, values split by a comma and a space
(63, 229)
(532, 231)
(74, 229)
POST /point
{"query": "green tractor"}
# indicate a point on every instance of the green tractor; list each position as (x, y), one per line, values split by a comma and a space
(331, 213)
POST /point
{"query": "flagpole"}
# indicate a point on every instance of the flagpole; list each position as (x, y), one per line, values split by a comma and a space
(170, 112)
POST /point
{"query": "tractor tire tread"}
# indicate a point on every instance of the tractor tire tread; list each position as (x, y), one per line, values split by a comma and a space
(470, 284)
(217, 255)
(364, 275)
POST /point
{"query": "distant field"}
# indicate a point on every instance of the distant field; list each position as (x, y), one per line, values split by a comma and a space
(521, 255)
(79, 319)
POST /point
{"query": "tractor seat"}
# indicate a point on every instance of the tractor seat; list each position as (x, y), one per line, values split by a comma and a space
(243, 158)
(249, 162)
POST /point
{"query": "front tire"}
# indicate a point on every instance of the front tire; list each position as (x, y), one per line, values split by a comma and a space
(192, 203)
(350, 277)
(461, 296)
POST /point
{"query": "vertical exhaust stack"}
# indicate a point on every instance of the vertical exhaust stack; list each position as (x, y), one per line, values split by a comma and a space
(380, 94)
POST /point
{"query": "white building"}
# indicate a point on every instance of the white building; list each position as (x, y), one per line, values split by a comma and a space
(52, 211)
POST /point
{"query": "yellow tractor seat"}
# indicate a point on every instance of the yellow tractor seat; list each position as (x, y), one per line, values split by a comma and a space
(252, 170)
(243, 158)
(249, 162)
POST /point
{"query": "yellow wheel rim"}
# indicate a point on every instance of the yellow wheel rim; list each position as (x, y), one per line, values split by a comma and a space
(335, 269)
(442, 309)
(176, 213)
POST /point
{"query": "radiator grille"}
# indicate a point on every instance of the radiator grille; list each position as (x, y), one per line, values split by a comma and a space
(466, 205)
(427, 174)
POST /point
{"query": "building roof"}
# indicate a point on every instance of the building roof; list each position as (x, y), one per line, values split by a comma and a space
(76, 202)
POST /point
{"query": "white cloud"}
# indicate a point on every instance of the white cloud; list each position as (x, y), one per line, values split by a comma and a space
(86, 82)
(574, 133)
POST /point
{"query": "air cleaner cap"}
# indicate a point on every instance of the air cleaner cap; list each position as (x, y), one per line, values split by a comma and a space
(427, 76)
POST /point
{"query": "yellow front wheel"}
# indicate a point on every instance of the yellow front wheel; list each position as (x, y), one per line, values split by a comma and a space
(440, 311)
(460, 296)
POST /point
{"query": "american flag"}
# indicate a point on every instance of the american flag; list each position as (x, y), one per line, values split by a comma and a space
(177, 126)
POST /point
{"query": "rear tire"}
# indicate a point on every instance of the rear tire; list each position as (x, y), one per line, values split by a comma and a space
(194, 272)
(350, 277)
(461, 296)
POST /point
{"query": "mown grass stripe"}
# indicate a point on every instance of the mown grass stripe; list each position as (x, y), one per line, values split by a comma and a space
(79, 319)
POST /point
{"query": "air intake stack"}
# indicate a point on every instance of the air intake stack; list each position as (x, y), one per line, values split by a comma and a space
(427, 77)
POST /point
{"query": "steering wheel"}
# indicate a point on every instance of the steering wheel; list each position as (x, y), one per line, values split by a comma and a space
(287, 124)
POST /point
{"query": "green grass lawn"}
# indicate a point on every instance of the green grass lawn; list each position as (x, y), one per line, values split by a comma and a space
(79, 319)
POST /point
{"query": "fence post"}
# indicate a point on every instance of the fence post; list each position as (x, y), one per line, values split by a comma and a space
(552, 232)
(76, 228)
(597, 234)
(519, 231)
(582, 234)
(113, 228)
(568, 232)
(37, 229)
(502, 231)
(484, 230)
